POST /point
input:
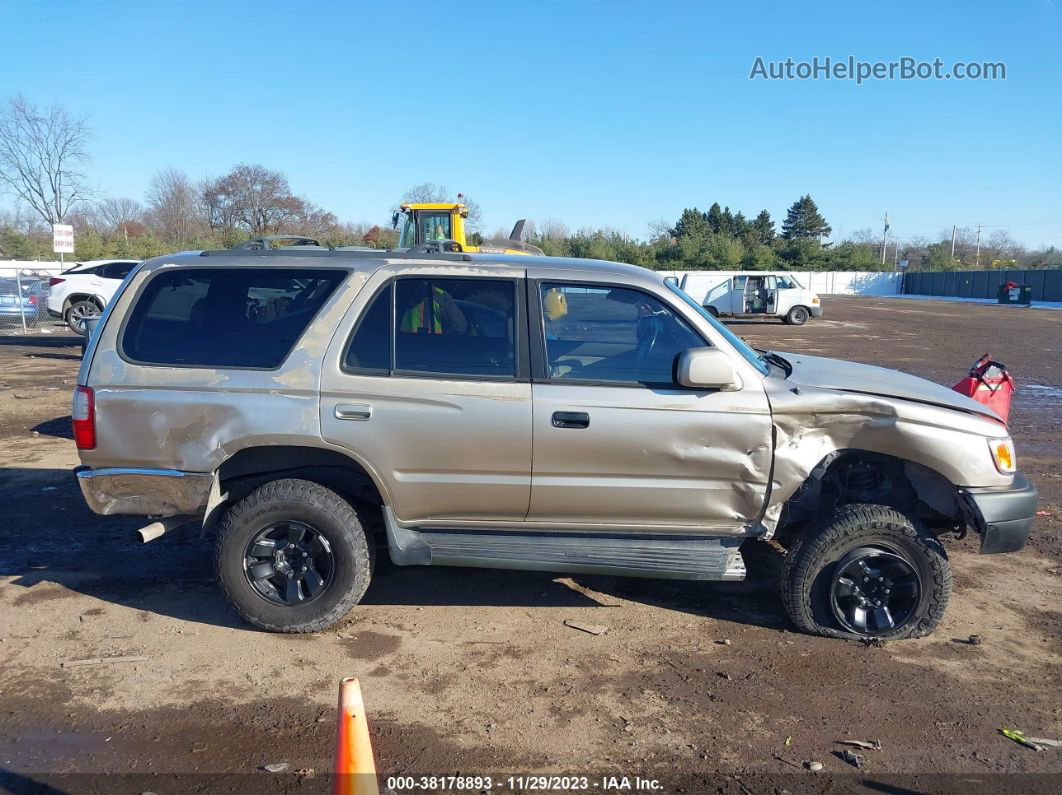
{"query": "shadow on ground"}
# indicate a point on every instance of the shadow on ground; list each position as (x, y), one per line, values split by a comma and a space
(58, 341)
(51, 536)
(58, 427)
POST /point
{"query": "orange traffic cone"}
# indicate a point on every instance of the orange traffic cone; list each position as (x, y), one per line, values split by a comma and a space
(355, 768)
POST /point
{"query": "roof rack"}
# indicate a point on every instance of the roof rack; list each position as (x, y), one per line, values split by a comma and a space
(372, 253)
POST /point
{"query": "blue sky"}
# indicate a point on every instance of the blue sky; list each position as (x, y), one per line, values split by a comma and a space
(597, 113)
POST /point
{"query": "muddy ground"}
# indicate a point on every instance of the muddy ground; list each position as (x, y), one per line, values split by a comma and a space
(474, 672)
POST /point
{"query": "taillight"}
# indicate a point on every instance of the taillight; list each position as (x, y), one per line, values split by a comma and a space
(54, 281)
(33, 300)
(83, 415)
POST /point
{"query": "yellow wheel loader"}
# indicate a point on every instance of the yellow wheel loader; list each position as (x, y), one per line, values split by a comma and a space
(440, 226)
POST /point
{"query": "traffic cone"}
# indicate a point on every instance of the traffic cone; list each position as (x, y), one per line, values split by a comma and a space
(355, 768)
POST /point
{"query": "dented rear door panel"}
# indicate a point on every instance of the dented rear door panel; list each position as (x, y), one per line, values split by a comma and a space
(652, 457)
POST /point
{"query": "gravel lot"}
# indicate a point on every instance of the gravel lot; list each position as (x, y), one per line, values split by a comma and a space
(474, 672)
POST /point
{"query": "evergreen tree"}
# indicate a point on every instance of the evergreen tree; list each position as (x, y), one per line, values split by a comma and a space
(763, 226)
(803, 221)
(727, 227)
(715, 218)
(691, 224)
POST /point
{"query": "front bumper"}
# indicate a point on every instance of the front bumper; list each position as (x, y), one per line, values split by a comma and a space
(816, 311)
(1003, 516)
(144, 492)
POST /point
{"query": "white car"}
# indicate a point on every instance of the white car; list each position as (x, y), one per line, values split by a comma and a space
(84, 290)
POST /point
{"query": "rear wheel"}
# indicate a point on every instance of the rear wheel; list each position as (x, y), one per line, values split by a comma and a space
(712, 311)
(293, 557)
(797, 316)
(867, 571)
(78, 313)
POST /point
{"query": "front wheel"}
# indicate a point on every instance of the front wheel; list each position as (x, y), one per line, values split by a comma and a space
(797, 316)
(866, 572)
(293, 557)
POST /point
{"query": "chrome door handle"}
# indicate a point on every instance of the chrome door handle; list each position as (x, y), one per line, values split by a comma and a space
(353, 411)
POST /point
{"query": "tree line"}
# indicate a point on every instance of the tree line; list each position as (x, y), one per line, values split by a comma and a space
(44, 153)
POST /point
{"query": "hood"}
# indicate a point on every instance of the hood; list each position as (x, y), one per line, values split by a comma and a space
(818, 371)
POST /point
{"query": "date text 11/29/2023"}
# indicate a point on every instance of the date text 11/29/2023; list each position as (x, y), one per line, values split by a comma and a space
(529, 783)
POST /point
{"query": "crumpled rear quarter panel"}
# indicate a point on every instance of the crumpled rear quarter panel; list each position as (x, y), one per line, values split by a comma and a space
(192, 419)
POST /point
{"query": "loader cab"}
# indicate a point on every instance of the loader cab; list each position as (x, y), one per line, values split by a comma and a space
(425, 223)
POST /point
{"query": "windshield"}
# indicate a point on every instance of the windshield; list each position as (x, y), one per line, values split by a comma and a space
(739, 344)
(406, 238)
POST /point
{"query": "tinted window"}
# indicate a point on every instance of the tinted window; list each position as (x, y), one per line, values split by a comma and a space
(612, 334)
(370, 347)
(117, 270)
(455, 326)
(225, 317)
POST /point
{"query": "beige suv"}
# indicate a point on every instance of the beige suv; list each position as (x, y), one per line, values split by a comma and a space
(540, 413)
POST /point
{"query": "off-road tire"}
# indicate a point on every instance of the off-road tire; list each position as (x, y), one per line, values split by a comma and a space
(330, 515)
(797, 316)
(808, 569)
(68, 319)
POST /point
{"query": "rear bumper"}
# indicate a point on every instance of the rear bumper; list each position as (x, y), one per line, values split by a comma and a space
(144, 492)
(1003, 516)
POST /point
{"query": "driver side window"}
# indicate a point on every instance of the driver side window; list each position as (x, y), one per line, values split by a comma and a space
(597, 333)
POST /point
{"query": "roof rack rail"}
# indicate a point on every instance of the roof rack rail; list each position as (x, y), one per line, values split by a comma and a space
(373, 253)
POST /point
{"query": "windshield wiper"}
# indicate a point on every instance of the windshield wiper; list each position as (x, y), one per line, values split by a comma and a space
(774, 358)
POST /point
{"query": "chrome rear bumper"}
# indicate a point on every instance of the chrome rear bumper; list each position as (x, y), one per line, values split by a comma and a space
(145, 492)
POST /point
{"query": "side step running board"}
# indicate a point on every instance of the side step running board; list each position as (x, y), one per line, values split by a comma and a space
(680, 557)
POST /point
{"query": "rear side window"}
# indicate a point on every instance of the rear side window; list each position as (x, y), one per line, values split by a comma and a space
(117, 270)
(455, 326)
(370, 348)
(225, 317)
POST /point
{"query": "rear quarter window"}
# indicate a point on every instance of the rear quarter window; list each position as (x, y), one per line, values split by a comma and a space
(225, 317)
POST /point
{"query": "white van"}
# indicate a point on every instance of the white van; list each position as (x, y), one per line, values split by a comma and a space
(751, 294)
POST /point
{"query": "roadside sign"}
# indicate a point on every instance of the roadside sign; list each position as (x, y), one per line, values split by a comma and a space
(62, 238)
(901, 264)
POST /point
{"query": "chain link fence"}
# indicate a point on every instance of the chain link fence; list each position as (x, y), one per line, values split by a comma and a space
(24, 301)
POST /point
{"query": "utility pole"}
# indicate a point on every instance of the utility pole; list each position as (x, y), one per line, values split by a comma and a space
(977, 261)
(954, 232)
(884, 237)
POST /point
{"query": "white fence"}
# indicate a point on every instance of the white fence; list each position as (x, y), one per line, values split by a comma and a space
(10, 268)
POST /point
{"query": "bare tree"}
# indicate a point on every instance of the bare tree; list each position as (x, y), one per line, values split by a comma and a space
(251, 198)
(1004, 246)
(42, 152)
(173, 205)
(659, 230)
(112, 214)
(426, 192)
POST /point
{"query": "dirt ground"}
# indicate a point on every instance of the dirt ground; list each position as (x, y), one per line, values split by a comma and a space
(474, 672)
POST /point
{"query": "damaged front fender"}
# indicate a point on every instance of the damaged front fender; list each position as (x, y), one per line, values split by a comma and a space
(813, 425)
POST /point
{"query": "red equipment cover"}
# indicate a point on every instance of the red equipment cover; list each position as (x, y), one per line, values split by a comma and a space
(988, 382)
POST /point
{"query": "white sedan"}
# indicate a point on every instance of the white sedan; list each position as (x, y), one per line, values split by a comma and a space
(84, 290)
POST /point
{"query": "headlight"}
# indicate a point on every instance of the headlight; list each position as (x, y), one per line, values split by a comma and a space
(814, 299)
(1003, 455)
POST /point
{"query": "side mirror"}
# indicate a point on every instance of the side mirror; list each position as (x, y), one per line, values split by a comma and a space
(707, 368)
